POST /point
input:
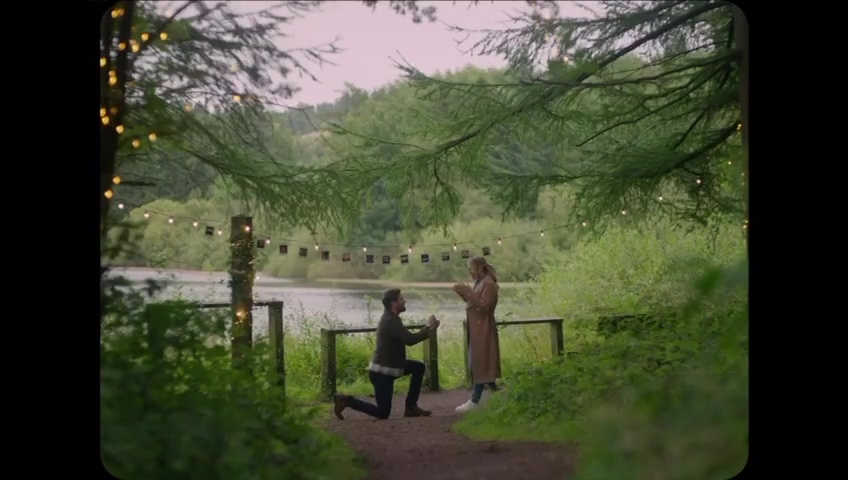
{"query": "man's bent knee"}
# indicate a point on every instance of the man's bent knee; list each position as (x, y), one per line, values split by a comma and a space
(415, 366)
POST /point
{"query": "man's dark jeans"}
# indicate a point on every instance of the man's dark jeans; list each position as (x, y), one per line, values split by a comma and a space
(384, 387)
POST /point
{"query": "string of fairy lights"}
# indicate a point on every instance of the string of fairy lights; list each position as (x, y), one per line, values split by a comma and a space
(285, 246)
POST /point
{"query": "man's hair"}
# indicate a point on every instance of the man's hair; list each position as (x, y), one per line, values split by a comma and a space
(390, 296)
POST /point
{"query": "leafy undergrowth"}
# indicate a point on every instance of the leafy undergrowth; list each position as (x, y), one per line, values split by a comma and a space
(173, 406)
(664, 400)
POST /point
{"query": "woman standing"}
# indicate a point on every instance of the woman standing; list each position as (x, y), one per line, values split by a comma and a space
(484, 356)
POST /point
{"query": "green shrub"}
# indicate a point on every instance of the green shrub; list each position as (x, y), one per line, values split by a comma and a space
(630, 393)
(173, 407)
(689, 422)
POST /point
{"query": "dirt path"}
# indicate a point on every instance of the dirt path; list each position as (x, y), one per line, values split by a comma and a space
(428, 449)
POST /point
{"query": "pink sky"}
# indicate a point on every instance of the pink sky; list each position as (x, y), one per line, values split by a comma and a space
(370, 38)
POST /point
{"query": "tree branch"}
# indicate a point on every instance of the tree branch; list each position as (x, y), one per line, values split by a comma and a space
(553, 93)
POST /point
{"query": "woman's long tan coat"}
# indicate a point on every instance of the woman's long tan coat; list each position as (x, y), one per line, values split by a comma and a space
(482, 331)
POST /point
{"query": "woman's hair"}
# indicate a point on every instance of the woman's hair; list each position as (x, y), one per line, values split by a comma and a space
(481, 263)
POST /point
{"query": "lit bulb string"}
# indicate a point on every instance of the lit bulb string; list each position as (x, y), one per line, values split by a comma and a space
(217, 225)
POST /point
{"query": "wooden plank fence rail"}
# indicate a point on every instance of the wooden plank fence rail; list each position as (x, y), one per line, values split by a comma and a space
(557, 338)
(328, 357)
(275, 330)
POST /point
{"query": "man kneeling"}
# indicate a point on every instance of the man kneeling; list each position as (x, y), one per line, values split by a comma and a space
(389, 363)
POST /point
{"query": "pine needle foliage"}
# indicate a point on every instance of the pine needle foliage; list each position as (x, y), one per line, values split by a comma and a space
(638, 105)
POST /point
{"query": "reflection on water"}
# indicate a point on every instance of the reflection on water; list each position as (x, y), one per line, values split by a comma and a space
(326, 303)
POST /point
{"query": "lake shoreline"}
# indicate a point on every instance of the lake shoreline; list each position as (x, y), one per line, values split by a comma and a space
(266, 280)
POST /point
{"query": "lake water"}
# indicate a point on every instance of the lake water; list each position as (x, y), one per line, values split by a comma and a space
(322, 302)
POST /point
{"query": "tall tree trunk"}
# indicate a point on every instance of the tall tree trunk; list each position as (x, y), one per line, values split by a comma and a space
(113, 99)
(740, 23)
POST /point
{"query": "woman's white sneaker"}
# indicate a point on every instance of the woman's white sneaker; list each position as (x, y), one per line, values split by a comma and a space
(469, 405)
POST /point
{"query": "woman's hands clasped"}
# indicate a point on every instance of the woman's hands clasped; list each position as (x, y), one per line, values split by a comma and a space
(462, 289)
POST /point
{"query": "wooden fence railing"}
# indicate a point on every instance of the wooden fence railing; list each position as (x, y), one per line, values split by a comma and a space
(557, 338)
(328, 357)
(328, 344)
(275, 331)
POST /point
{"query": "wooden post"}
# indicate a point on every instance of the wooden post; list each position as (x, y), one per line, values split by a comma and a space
(241, 285)
(328, 359)
(156, 317)
(431, 360)
(275, 337)
(557, 339)
(465, 344)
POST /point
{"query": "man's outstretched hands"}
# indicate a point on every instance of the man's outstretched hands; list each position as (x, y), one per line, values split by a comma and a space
(432, 322)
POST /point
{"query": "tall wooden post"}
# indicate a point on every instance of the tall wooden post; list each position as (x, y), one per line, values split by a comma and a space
(557, 338)
(431, 360)
(328, 363)
(157, 319)
(275, 337)
(242, 274)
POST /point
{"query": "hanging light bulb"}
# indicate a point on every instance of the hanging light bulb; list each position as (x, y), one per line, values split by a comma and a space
(268, 241)
(220, 232)
(454, 247)
(194, 223)
(146, 215)
(409, 249)
(542, 233)
(499, 241)
(171, 220)
(316, 246)
(247, 228)
(364, 248)
(121, 205)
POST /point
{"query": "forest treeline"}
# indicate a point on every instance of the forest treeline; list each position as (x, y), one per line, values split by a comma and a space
(186, 192)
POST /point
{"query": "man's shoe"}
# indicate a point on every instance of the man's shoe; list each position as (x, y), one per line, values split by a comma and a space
(416, 412)
(340, 405)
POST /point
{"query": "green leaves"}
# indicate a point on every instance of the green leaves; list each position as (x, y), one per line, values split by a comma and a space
(188, 413)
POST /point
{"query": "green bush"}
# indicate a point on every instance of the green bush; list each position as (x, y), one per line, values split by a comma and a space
(628, 395)
(690, 421)
(173, 407)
